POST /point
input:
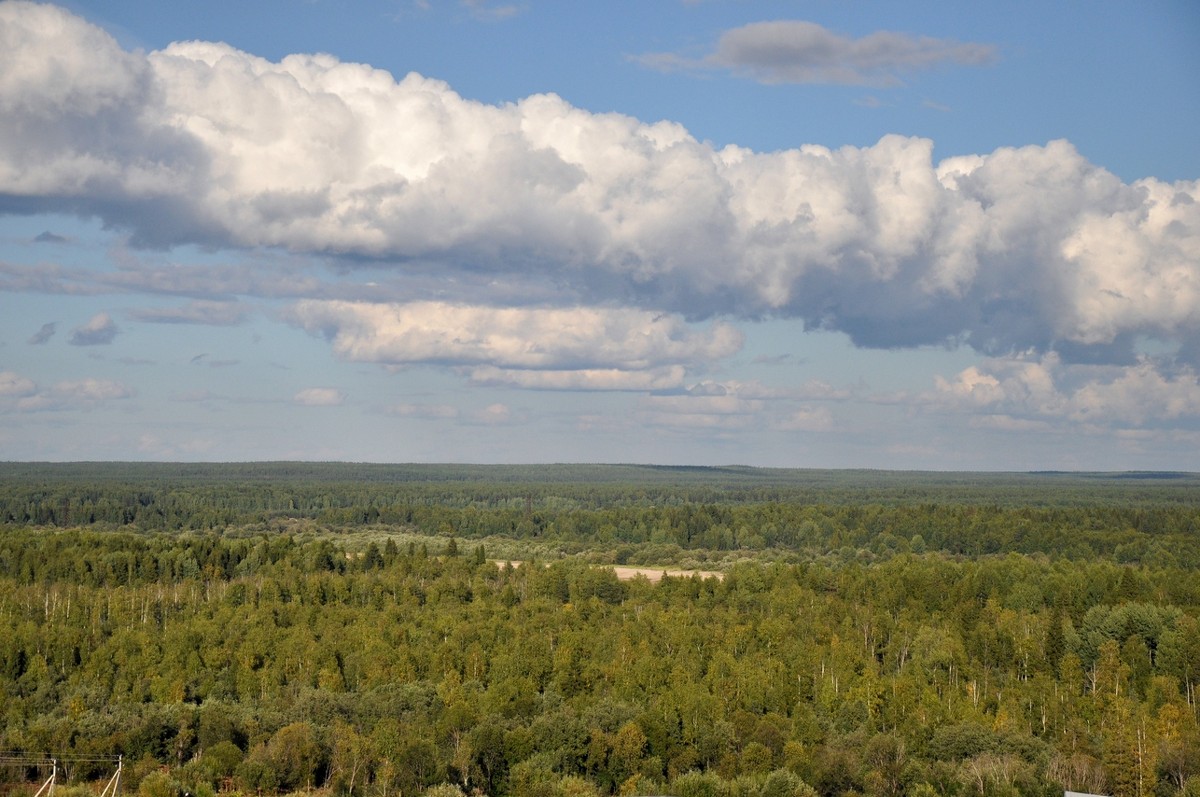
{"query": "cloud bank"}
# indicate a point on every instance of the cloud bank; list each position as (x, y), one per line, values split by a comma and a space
(21, 394)
(1047, 390)
(564, 349)
(1022, 251)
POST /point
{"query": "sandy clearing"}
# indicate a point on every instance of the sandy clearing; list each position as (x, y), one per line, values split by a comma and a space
(652, 574)
(656, 574)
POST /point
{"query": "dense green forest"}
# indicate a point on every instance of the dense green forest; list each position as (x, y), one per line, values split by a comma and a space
(280, 627)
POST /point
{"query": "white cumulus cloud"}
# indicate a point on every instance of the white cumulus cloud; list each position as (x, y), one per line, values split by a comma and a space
(1022, 249)
(1025, 391)
(511, 339)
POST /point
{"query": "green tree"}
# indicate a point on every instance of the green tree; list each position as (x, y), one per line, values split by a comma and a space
(221, 761)
(352, 758)
(296, 756)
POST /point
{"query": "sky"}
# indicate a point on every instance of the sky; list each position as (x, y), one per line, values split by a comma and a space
(920, 235)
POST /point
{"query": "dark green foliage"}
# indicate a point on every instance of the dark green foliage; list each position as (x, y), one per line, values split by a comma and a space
(962, 741)
(275, 654)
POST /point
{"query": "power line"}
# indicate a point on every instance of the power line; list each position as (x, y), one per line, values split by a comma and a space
(17, 756)
(21, 759)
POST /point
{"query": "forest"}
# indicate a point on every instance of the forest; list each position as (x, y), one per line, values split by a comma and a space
(440, 630)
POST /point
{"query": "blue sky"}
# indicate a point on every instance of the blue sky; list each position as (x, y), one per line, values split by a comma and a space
(817, 234)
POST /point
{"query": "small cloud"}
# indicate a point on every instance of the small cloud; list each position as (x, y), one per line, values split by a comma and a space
(222, 314)
(797, 51)
(1007, 423)
(42, 335)
(48, 237)
(710, 388)
(16, 386)
(935, 106)
(493, 415)
(80, 394)
(869, 101)
(203, 359)
(489, 11)
(425, 411)
(92, 390)
(99, 331)
(589, 379)
(319, 397)
(815, 389)
(706, 408)
(776, 359)
(668, 62)
(808, 419)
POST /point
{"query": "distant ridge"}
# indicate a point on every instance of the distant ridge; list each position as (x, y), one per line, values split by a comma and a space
(743, 482)
(1129, 474)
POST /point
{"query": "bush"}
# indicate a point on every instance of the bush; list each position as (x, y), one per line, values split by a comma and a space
(697, 784)
(574, 786)
(443, 790)
(782, 783)
(158, 784)
(221, 760)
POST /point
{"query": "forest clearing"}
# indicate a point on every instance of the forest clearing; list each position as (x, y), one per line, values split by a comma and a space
(651, 574)
(656, 574)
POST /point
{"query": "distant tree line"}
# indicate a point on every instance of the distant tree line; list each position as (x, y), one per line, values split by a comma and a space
(1136, 521)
